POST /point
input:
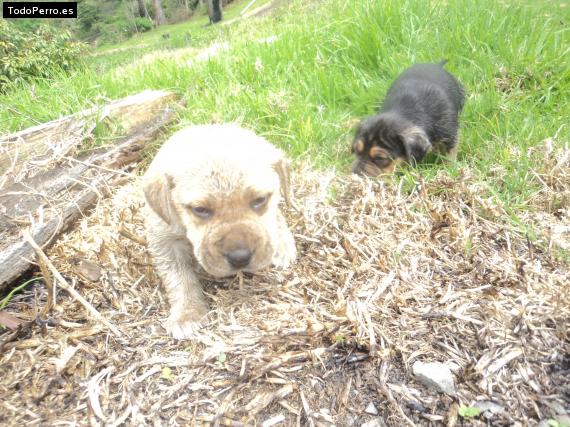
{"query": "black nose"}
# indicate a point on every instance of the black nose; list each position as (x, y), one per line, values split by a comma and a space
(239, 258)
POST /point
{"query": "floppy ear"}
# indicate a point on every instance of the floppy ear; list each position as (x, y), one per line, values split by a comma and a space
(281, 166)
(416, 144)
(157, 189)
(357, 146)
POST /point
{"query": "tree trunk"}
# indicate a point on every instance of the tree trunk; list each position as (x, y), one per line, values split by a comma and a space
(215, 10)
(159, 18)
(142, 9)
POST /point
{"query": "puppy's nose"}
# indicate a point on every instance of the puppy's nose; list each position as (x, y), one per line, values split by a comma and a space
(239, 258)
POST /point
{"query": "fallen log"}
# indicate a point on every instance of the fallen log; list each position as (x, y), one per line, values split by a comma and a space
(22, 152)
(49, 199)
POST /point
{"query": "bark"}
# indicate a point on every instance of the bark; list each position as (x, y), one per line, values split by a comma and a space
(143, 13)
(159, 18)
(215, 10)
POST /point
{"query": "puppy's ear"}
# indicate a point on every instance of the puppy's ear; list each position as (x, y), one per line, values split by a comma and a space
(357, 146)
(416, 144)
(282, 168)
(157, 190)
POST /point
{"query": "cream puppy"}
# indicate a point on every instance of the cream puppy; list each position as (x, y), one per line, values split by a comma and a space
(213, 193)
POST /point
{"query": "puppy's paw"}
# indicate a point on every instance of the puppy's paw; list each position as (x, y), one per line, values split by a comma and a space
(286, 253)
(186, 324)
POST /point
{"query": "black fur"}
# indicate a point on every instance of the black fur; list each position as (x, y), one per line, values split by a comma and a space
(424, 96)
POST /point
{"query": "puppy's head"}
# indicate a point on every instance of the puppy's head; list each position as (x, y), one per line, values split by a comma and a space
(220, 186)
(385, 140)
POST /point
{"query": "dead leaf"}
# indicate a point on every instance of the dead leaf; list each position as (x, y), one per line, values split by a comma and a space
(10, 321)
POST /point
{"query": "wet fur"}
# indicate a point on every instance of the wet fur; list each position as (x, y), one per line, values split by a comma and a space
(223, 168)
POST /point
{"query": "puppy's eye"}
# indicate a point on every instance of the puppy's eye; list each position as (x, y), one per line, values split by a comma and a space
(382, 161)
(202, 212)
(259, 202)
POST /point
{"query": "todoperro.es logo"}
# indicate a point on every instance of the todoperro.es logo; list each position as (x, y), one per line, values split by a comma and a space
(49, 9)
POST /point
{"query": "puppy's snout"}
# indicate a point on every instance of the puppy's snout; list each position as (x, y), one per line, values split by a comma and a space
(357, 168)
(239, 258)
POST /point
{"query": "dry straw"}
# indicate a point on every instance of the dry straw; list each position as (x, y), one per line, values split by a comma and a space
(387, 275)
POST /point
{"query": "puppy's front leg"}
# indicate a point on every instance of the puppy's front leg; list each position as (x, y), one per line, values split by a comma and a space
(452, 154)
(452, 148)
(188, 307)
(285, 251)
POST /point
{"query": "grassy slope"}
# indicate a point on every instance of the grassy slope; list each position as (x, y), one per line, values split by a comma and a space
(332, 63)
(193, 33)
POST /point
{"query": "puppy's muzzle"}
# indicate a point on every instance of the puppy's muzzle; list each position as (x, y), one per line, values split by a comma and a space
(240, 257)
(357, 168)
(367, 168)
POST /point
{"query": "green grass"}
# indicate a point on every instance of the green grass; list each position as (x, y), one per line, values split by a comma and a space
(15, 290)
(194, 33)
(333, 62)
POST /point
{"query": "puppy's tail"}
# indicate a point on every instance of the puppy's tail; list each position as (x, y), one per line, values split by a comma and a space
(442, 62)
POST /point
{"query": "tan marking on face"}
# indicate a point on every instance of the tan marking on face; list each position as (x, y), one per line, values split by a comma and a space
(373, 170)
(393, 165)
(378, 152)
(384, 161)
(370, 169)
(359, 146)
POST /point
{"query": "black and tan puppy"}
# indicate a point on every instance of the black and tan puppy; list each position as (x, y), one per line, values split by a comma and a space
(420, 113)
